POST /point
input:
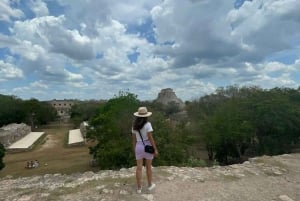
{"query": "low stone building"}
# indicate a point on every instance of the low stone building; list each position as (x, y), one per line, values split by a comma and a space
(62, 106)
(13, 132)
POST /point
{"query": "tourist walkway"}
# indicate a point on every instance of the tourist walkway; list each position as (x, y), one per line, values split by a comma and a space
(75, 137)
(27, 141)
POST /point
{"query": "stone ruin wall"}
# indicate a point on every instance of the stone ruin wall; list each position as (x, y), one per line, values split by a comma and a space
(12, 133)
(83, 130)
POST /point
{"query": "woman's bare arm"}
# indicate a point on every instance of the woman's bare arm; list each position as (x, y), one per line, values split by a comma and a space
(150, 137)
(133, 141)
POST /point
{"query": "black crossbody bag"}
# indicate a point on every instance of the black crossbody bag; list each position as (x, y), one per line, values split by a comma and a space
(148, 148)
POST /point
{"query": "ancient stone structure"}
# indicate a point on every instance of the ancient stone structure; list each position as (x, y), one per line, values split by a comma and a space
(62, 107)
(167, 96)
(82, 127)
(12, 133)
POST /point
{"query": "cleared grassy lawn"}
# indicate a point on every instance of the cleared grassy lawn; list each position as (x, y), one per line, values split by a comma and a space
(52, 153)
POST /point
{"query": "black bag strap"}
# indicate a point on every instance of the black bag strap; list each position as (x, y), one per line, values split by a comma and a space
(141, 137)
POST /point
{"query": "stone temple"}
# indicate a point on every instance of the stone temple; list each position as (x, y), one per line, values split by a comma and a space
(167, 96)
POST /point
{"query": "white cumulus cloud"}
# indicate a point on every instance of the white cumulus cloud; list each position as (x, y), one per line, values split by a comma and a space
(9, 71)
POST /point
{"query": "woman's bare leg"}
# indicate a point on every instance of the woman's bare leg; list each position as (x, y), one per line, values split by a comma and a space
(138, 173)
(149, 171)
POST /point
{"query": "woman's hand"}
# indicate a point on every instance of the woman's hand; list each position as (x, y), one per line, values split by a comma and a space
(156, 153)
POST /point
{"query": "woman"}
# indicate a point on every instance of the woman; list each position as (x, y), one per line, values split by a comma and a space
(141, 136)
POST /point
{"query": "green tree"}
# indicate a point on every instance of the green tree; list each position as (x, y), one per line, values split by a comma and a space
(111, 128)
(169, 141)
(234, 130)
(11, 110)
(175, 140)
(32, 112)
(37, 113)
(84, 111)
(239, 122)
(276, 117)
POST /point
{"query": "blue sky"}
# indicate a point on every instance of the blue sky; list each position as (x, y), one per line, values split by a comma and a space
(81, 49)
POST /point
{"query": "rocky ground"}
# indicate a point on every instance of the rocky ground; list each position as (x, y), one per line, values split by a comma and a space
(259, 179)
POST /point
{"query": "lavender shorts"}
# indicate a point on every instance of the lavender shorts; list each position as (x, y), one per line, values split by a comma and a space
(140, 151)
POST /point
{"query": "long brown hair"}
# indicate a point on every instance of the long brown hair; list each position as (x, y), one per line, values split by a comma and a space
(139, 123)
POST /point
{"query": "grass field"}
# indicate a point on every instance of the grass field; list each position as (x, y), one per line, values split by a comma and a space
(52, 153)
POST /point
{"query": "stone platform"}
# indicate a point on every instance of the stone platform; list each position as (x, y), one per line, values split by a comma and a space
(26, 142)
(75, 137)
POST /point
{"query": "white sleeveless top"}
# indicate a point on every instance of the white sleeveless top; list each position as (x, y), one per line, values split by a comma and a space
(146, 129)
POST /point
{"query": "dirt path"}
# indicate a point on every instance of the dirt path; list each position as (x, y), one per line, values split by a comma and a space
(50, 142)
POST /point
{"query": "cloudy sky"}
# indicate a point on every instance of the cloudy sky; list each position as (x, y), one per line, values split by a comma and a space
(92, 49)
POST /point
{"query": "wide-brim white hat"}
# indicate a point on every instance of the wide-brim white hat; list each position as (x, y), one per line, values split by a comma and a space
(142, 112)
